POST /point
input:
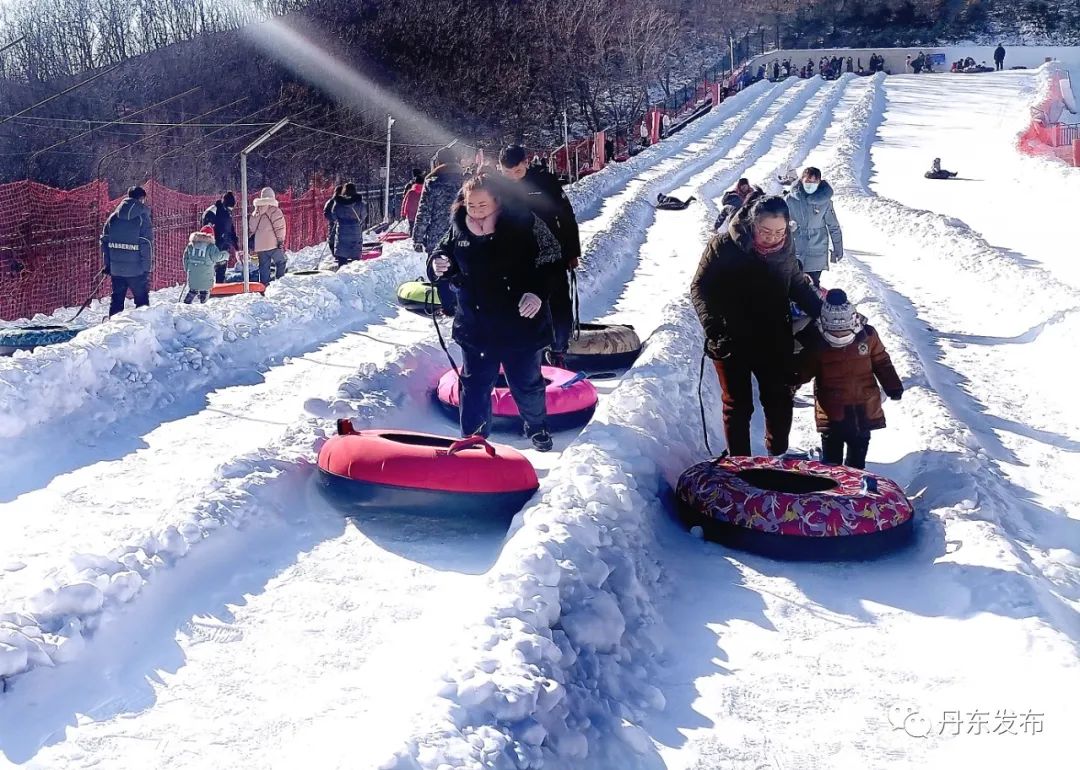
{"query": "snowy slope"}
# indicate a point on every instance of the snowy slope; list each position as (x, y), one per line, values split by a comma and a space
(240, 620)
(254, 486)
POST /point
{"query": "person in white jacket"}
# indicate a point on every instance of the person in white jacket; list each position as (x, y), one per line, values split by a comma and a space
(266, 226)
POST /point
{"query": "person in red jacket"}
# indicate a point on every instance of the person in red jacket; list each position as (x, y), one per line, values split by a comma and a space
(410, 201)
(846, 359)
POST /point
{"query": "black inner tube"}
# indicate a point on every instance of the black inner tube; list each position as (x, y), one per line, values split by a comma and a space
(414, 440)
(786, 481)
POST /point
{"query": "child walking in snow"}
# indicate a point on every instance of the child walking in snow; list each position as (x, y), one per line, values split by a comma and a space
(200, 256)
(846, 360)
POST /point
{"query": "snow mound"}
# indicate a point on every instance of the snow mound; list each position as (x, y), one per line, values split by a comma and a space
(564, 659)
(146, 357)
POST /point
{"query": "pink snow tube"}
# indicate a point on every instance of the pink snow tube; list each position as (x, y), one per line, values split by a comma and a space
(391, 237)
(371, 253)
(795, 509)
(571, 399)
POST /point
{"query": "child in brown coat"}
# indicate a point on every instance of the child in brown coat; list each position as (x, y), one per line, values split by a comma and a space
(847, 360)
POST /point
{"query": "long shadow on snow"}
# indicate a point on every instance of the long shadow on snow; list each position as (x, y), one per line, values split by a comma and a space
(950, 385)
(32, 461)
(916, 579)
(120, 671)
(696, 628)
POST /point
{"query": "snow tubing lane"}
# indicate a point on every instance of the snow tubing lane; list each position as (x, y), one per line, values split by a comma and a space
(794, 509)
(600, 347)
(30, 337)
(413, 295)
(232, 289)
(571, 400)
(411, 472)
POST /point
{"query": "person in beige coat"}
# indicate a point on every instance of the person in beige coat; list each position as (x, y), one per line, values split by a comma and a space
(266, 226)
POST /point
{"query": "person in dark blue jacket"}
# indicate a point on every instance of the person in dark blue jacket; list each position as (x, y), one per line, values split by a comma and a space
(499, 260)
(127, 248)
(348, 214)
(220, 217)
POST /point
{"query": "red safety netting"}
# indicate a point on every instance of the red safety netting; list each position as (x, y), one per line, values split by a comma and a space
(50, 255)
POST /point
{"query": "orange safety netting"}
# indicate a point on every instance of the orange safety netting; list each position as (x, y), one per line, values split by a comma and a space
(50, 253)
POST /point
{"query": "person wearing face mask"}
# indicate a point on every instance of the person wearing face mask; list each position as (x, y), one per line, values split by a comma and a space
(499, 259)
(815, 224)
(847, 360)
(741, 292)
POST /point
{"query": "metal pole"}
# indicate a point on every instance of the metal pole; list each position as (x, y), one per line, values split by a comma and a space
(244, 191)
(244, 219)
(386, 194)
(566, 142)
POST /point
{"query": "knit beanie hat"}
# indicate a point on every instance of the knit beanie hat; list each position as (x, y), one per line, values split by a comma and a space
(136, 192)
(207, 230)
(838, 323)
(229, 199)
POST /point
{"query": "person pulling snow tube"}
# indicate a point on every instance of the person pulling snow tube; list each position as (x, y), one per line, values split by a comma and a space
(419, 296)
(29, 337)
(600, 347)
(571, 399)
(232, 289)
(795, 509)
(411, 472)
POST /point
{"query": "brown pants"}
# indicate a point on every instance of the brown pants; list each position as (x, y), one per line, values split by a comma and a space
(776, 400)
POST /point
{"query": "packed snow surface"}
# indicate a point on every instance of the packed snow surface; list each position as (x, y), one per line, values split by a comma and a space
(174, 591)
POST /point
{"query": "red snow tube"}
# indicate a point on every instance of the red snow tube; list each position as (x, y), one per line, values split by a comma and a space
(371, 253)
(421, 473)
(571, 399)
(232, 289)
(795, 509)
(391, 237)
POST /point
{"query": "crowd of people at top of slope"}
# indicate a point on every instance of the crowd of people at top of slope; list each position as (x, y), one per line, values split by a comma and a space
(502, 248)
(828, 67)
(969, 65)
(832, 67)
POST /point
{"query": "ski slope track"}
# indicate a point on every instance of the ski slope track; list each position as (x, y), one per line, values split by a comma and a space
(537, 688)
(215, 610)
(830, 666)
(986, 272)
(251, 490)
(70, 599)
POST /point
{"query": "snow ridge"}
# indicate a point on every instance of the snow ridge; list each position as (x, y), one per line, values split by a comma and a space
(970, 457)
(565, 660)
(91, 585)
(147, 356)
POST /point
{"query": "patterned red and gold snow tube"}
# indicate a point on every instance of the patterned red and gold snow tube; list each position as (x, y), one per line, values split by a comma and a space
(795, 509)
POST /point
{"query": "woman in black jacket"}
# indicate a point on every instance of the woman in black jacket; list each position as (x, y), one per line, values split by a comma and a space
(347, 216)
(742, 291)
(500, 260)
